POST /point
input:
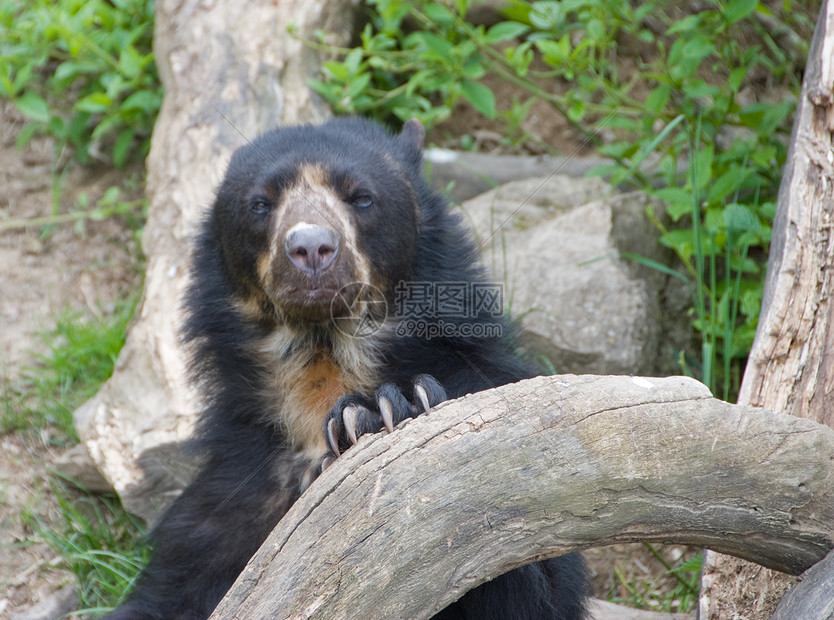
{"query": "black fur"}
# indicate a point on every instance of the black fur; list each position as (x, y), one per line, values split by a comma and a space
(252, 470)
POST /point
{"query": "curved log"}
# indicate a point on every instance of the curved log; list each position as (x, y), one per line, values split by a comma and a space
(402, 525)
(811, 598)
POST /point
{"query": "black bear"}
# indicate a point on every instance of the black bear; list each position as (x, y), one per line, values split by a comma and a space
(314, 230)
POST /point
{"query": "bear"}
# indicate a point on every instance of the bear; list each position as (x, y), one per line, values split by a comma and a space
(332, 294)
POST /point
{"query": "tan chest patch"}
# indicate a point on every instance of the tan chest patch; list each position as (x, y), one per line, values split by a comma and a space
(304, 380)
(309, 398)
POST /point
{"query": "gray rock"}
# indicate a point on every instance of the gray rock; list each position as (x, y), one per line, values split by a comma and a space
(55, 605)
(558, 252)
(78, 466)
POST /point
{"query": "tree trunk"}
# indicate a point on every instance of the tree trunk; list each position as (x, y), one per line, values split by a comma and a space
(791, 366)
(402, 525)
(230, 71)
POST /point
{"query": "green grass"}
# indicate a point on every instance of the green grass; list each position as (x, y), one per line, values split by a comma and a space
(98, 541)
(648, 594)
(80, 356)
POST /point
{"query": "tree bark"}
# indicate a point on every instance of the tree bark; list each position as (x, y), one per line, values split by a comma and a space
(791, 365)
(400, 526)
(230, 71)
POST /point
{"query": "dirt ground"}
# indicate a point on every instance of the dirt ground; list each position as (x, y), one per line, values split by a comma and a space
(87, 268)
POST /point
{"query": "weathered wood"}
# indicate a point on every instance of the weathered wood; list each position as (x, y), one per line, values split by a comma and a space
(791, 365)
(813, 597)
(400, 526)
(230, 71)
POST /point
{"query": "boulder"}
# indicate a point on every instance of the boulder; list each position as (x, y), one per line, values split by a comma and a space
(558, 245)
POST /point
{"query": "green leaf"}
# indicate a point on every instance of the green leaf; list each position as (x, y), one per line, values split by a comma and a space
(547, 15)
(77, 127)
(93, 103)
(336, 70)
(595, 30)
(702, 166)
(33, 106)
(735, 78)
(130, 62)
(765, 156)
(358, 85)
(433, 43)
(576, 111)
(765, 118)
(647, 149)
(603, 170)
(439, 14)
(474, 70)
(107, 126)
(147, 101)
(553, 51)
(480, 96)
(680, 241)
(504, 31)
(517, 11)
(616, 122)
(21, 79)
(714, 220)
(677, 210)
(698, 47)
(325, 90)
(353, 60)
(687, 24)
(674, 194)
(121, 147)
(736, 10)
(656, 100)
(698, 88)
(739, 218)
(729, 182)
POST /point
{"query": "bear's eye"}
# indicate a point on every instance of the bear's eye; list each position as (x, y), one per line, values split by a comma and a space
(362, 201)
(259, 206)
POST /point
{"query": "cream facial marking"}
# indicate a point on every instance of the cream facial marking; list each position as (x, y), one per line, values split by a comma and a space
(314, 202)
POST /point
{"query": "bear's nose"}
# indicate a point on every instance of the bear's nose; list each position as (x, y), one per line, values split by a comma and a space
(312, 248)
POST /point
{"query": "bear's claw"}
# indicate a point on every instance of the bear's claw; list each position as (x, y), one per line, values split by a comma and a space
(354, 416)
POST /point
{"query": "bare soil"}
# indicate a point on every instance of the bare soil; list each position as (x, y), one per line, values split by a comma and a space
(84, 268)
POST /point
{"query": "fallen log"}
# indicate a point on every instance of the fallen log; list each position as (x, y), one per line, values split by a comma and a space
(404, 524)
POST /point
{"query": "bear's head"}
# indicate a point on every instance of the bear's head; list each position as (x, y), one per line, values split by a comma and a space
(304, 212)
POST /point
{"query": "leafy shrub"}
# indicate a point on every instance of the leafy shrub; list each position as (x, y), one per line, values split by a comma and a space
(82, 71)
(666, 83)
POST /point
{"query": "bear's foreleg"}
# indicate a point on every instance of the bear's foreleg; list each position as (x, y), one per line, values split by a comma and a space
(211, 531)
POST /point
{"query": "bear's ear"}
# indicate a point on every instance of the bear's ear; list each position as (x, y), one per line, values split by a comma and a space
(412, 137)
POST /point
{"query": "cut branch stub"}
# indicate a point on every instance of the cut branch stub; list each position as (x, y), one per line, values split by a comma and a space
(404, 524)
